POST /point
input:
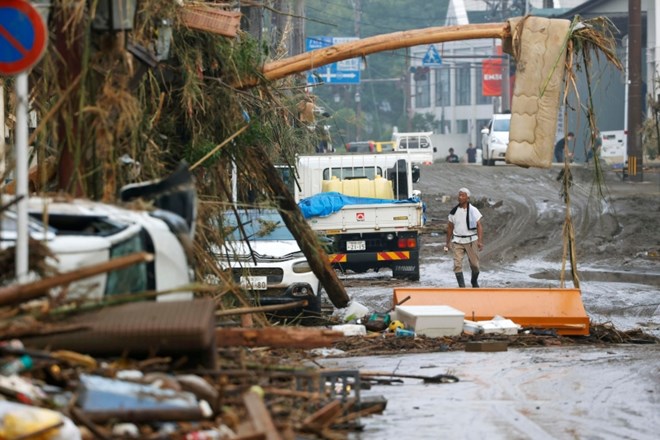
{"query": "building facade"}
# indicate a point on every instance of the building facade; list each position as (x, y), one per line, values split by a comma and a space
(452, 91)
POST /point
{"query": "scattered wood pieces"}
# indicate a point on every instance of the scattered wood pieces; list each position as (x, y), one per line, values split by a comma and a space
(486, 346)
(289, 337)
(323, 417)
(259, 415)
(261, 309)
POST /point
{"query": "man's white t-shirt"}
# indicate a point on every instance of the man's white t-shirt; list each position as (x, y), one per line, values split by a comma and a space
(462, 234)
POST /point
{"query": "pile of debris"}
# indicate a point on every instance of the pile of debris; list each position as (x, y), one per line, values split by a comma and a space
(179, 369)
(166, 370)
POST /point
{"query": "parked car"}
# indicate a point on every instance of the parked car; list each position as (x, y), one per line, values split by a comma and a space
(81, 232)
(266, 260)
(496, 139)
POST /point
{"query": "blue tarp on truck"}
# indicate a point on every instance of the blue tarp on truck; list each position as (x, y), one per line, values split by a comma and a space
(324, 204)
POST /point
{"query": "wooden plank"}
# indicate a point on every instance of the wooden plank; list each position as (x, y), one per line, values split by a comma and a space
(261, 309)
(19, 293)
(259, 415)
(486, 346)
(292, 337)
(323, 417)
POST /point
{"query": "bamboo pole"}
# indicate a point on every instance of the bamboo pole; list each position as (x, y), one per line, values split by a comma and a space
(379, 43)
(262, 309)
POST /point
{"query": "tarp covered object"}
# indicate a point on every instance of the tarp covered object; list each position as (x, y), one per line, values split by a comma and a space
(324, 204)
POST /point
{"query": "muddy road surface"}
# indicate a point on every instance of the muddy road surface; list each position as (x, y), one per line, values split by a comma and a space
(564, 392)
(617, 236)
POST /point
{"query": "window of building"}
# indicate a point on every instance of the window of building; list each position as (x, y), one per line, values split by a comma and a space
(442, 97)
(463, 90)
(461, 126)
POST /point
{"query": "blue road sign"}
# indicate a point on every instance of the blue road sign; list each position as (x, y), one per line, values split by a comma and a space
(432, 57)
(342, 72)
(22, 36)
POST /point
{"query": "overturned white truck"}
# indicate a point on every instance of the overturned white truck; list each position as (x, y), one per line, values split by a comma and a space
(366, 206)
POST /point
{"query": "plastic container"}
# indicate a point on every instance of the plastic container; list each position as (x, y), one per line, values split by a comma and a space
(354, 310)
(350, 329)
(350, 188)
(403, 333)
(332, 185)
(432, 321)
(383, 188)
(367, 188)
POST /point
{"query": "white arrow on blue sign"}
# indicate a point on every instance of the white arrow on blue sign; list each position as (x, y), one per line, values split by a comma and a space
(342, 72)
(432, 57)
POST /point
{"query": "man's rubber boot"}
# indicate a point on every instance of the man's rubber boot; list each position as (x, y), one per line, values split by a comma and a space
(460, 279)
(475, 275)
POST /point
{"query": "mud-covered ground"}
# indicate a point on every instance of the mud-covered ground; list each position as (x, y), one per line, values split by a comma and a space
(564, 392)
(616, 228)
(617, 238)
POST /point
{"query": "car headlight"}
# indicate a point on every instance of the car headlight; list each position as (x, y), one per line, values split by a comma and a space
(301, 267)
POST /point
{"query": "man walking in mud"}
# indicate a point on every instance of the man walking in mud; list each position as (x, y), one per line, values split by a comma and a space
(465, 236)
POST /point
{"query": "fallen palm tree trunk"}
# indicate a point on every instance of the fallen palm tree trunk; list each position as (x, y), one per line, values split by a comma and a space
(305, 236)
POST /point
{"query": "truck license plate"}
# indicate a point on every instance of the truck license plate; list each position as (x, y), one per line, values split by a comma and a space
(254, 283)
(356, 245)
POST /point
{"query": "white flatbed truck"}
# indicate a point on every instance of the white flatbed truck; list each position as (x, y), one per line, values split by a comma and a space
(380, 225)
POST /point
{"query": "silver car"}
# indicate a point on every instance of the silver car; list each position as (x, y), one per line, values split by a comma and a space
(265, 259)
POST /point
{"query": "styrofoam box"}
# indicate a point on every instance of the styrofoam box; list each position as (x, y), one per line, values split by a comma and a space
(432, 321)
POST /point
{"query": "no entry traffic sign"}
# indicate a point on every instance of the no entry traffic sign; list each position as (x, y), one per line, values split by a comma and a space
(22, 36)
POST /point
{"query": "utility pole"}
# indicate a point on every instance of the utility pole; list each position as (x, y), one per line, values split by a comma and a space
(506, 93)
(407, 98)
(635, 149)
(298, 27)
(278, 23)
(252, 20)
(358, 112)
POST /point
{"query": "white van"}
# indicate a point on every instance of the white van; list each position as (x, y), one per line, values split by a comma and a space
(496, 139)
(418, 145)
